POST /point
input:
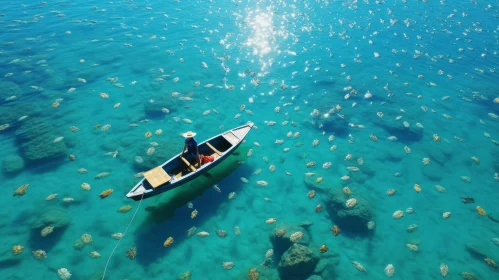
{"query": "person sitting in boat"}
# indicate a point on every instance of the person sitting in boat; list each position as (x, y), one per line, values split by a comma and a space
(191, 146)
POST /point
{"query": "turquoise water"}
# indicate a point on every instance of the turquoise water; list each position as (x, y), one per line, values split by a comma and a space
(273, 54)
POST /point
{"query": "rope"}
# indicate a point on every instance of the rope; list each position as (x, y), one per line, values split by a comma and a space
(124, 234)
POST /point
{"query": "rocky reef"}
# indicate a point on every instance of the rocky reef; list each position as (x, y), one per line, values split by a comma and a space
(12, 165)
(352, 219)
(395, 127)
(56, 217)
(494, 155)
(164, 151)
(155, 108)
(8, 89)
(280, 237)
(13, 111)
(297, 262)
(36, 138)
(332, 123)
(438, 152)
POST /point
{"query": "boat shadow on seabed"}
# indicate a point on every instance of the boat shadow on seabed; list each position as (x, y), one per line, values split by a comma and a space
(161, 219)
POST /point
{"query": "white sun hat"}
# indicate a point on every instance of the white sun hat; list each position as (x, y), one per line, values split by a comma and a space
(188, 134)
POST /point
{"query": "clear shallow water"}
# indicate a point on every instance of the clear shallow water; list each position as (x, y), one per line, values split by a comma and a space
(296, 44)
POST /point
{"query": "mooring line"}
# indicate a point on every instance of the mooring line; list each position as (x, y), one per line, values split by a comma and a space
(124, 234)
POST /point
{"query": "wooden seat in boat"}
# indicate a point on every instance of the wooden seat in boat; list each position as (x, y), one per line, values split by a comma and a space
(157, 176)
(188, 164)
(213, 149)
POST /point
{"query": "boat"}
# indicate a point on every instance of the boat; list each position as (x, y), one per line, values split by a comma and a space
(178, 171)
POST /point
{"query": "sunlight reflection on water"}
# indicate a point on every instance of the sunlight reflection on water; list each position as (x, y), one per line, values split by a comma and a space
(262, 40)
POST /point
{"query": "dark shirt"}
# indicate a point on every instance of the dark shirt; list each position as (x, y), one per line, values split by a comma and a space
(191, 146)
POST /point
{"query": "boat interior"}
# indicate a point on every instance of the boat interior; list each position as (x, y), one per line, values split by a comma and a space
(180, 167)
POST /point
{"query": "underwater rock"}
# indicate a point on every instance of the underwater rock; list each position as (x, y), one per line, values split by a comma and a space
(364, 173)
(32, 128)
(393, 155)
(154, 109)
(327, 264)
(332, 123)
(321, 265)
(43, 149)
(477, 251)
(163, 152)
(366, 168)
(359, 178)
(56, 217)
(98, 275)
(112, 58)
(281, 243)
(494, 155)
(311, 183)
(37, 139)
(8, 89)
(13, 112)
(437, 152)
(493, 217)
(432, 172)
(297, 262)
(393, 127)
(7, 258)
(349, 219)
(315, 277)
(12, 165)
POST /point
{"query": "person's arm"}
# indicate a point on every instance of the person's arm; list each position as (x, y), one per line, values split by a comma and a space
(183, 150)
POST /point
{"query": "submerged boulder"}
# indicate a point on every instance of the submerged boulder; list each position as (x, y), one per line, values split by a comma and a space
(327, 265)
(349, 219)
(32, 128)
(56, 217)
(7, 259)
(477, 251)
(412, 133)
(432, 172)
(154, 109)
(315, 277)
(42, 148)
(12, 165)
(438, 152)
(297, 263)
(393, 155)
(37, 141)
(13, 111)
(8, 89)
(365, 171)
(164, 151)
(323, 187)
(494, 155)
(280, 237)
(331, 123)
